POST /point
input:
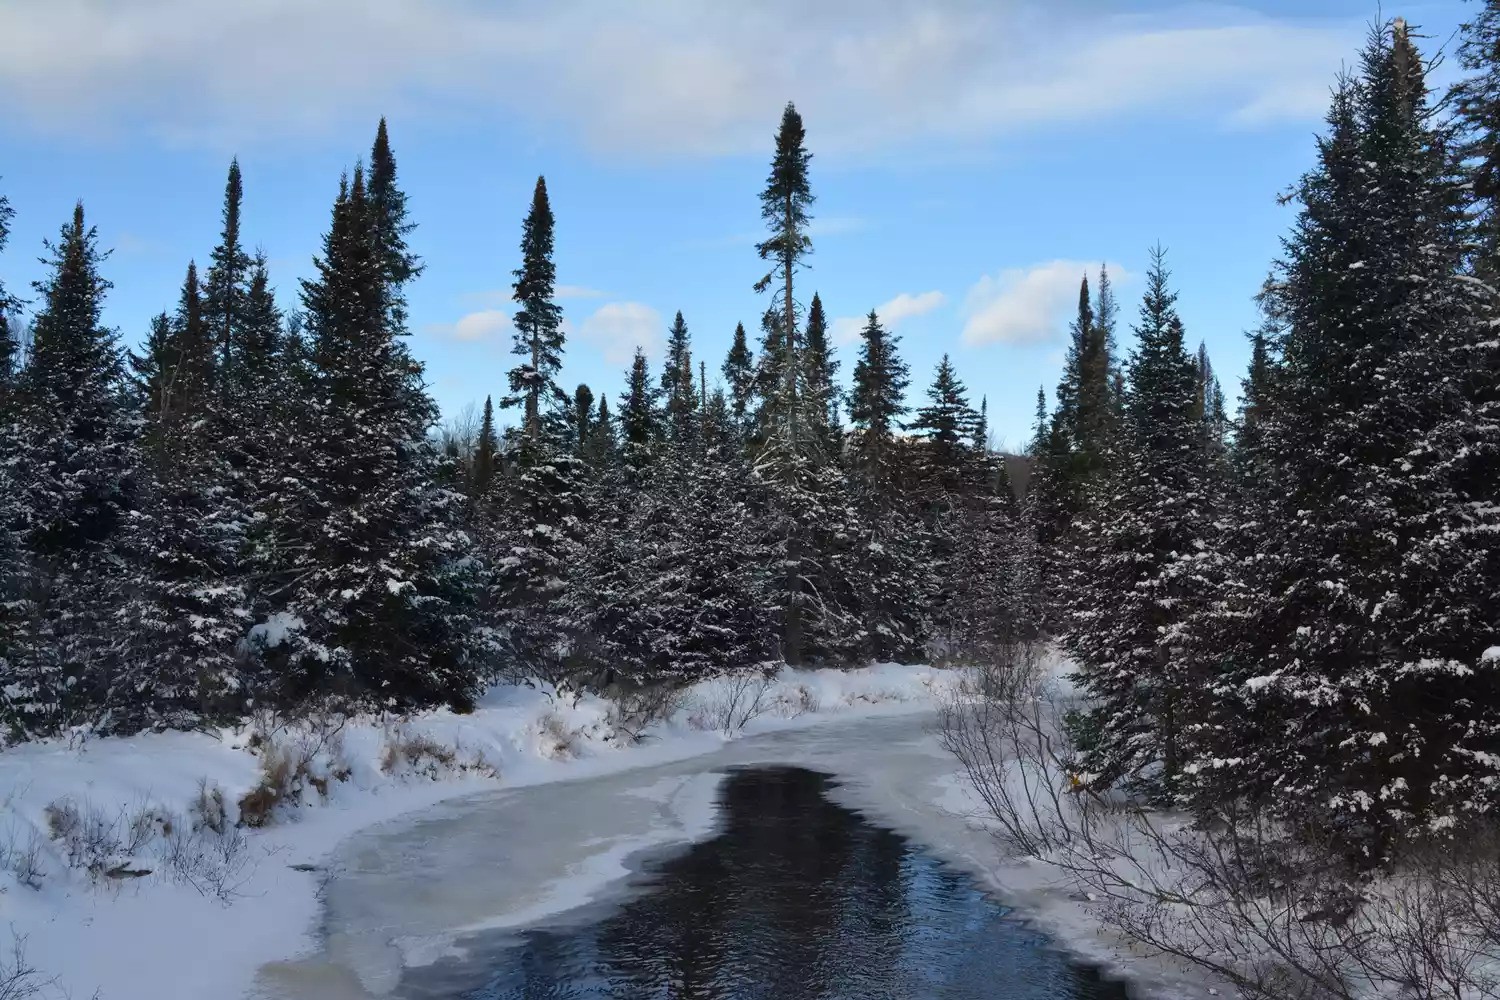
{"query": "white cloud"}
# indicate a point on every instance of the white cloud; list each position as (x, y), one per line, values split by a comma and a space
(1029, 305)
(846, 329)
(616, 329)
(482, 325)
(656, 77)
(578, 292)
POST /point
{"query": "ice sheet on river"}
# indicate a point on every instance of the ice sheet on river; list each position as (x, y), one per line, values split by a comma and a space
(417, 888)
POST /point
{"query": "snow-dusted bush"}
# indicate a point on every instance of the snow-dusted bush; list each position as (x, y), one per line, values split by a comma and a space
(297, 757)
(637, 709)
(104, 843)
(215, 863)
(18, 979)
(729, 703)
(1279, 913)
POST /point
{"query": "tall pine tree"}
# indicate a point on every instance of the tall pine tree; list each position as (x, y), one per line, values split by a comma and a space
(74, 465)
(539, 337)
(374, 604)
(1135, 577)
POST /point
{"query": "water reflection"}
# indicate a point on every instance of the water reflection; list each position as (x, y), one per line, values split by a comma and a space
(797, 898)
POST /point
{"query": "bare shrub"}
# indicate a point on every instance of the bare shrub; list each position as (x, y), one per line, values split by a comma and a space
(636, 710)
(1277, 913)
(1004, 728)
(19, 980)
(796, 702)
(282, 772)
(215, 863)
(207, 808)
(295, 755)
(732, 702)
(416, 753)
(21, 853)
(557, 741)
(101, 844)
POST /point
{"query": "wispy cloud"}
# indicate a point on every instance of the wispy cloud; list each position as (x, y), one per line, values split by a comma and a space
(616, 329)
(486, 324)
(1026, 305)
(656, 77)
(818, 228)
(892, 313)
(501, 297)
(578, 292)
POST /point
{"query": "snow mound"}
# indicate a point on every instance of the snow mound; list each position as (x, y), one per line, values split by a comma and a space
(119, 855)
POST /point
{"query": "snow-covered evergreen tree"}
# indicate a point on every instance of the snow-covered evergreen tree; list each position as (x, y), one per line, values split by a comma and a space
(877, 402)
(14, 604)
(540, 500)
(539, 336)
(739, 375)
(820, 374)
(227, 285)
(678, 395)
(1135, 576)
(640, 427)
(374, 605)
(73, 471)
(392, 226)
(1355, 688)
(182, 621)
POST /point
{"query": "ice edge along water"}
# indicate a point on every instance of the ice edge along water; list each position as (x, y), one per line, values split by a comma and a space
(155, 938)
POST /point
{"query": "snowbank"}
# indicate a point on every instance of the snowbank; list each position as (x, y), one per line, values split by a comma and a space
(175, 864)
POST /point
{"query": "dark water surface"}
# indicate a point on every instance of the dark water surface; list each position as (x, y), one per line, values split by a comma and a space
(795, 898)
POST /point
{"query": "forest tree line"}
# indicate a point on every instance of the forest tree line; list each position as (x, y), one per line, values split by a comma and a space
(252, 508)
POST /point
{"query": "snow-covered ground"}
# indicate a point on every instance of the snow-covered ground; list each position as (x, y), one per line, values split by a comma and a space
(114, 878)
(447, 882)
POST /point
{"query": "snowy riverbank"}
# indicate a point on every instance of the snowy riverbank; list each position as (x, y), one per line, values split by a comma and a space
(135, 867)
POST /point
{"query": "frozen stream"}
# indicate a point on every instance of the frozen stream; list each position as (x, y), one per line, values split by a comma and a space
(529, 892)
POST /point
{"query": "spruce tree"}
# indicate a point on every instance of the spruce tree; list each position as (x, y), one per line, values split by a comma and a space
(1477, 100)
(1256, 394)
(154, 367)
(966, 519)
(1088, 404)
(1135, 577)
(1070, 384)
(739, 375)
(539, 337)
(639, 425)
(74, 468)
(13, 602)
(583, 417)
(392, 226)
(374, 606)
(486, 456)
(677, 393)
(820, 373)
(182, 623)
(10, 345)
(946, 426)
(229, 273)
(603, 441)
(877, 402)
(1210, 404)
(1370, 715)
(784, 205)
(265, 408)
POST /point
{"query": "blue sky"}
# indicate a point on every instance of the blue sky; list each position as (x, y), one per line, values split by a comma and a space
(971, 157)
